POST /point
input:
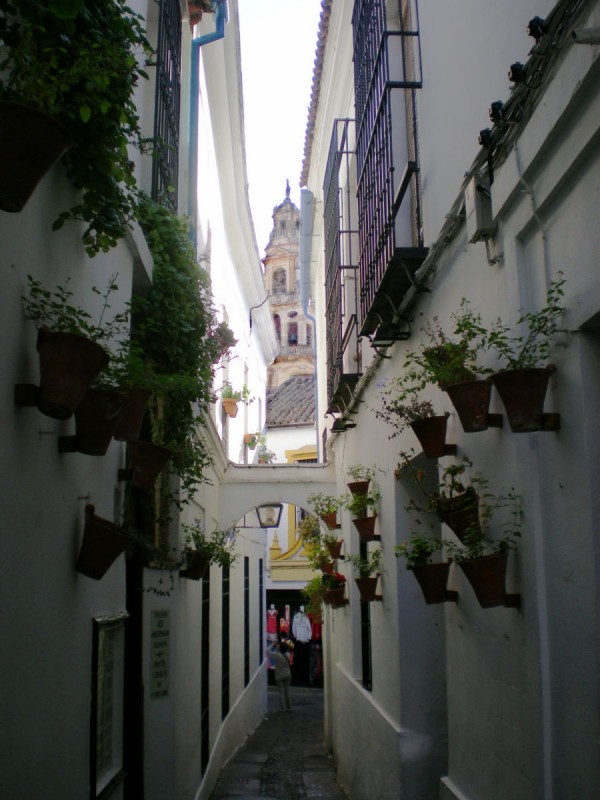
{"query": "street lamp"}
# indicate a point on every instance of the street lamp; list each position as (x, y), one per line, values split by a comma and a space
(269, 515)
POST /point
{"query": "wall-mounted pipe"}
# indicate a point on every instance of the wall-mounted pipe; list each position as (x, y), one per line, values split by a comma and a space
(307, 212)
(221, 17)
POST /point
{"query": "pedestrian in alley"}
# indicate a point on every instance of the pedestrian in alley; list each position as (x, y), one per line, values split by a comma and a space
(283, 675)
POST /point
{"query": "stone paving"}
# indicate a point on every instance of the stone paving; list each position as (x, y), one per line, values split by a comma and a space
(285, 758)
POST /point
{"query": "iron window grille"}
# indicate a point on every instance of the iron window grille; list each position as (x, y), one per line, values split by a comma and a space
(387, 75)
(165, 165)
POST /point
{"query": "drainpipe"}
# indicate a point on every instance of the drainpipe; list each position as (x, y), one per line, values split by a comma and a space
(307, 212)
(221, 18)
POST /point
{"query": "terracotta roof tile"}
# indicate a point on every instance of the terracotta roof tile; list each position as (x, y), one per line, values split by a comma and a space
(292, 403)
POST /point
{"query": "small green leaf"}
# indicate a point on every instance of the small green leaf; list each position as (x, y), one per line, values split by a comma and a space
(85, 112)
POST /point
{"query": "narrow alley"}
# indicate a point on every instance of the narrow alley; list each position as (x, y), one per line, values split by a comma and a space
(272, 765)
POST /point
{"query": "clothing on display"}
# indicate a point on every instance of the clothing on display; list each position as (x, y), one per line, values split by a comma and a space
(301, 627)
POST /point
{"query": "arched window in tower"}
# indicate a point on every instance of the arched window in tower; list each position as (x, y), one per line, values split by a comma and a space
(279, 281)
(277, 323)
(292, 333)
(308, 334)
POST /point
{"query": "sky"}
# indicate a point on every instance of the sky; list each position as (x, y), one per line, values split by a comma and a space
(278, 45)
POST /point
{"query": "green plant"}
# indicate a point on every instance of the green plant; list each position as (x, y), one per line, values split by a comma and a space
(242, 395)
(530, 349)
(266, 456)
(366, 567)
(333, 580)
(309, 528)
(403, 408)
(216, 547)
(359, 504)
(173, 327)
(418, 550)
(321, 560)
(79, 62)
(358, 472)
(474, 546)
(314, 591)
(329, 538)
(324, 504)
(55, 310)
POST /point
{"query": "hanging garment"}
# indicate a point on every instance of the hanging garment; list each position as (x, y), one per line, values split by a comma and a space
(301, 627)
(316, 628)
(316, 663)
(284, 625)
(272, 620)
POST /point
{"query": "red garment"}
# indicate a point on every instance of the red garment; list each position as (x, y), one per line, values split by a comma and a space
(317, 627)
(284, 625)
(272, 621)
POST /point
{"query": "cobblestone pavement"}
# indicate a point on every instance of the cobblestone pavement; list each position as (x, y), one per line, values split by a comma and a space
(285, 758)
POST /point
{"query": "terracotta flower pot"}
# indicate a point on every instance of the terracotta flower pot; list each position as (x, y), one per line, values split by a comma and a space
(334, 549)
(30, 143)
(471, 399)
(431, 433)
(69, 364)
(487, 576)
(197, 565)
(250, 441)
(96, 418)
(102, 544)
(147, 461)
(433, 579)
(367, 588)
(330, 520)
(523, 392)
(130, 424)
(461, 514)
(358, 487)
(335, 597)
(230, 406)
(366, 528)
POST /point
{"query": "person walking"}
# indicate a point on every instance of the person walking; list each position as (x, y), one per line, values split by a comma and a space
(283, 674)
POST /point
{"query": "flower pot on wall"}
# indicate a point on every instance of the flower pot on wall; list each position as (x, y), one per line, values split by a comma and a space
(431, 433)
(523, 392)
(250, 440)
(30, 143)
(230, 406)
(101, 545)
(96, 419)
(147, 461)
(471, 399)
(197, 565)
(330, 520)
(461, 514)
(367, 588)
(487, 576)
(335, 597)
(69, 364)
(334, 549)
(366, 528)
(358, 487)
(433, 579)
(130, 423)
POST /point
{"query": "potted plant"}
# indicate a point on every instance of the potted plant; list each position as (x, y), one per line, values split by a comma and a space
(314, 592)
(523, 382)
(402, 408)
(70, 354)
(359, 506)
(457, 499)
(203, 549)
(78, 63)
(230, 398)
(325, 506)
(335, 589)
(321, 560)
(361, 477)
(266, 456)
(251, 440)
(102, 543)
(366, 571)
(332, 544)
(309, 532)
(432, 577)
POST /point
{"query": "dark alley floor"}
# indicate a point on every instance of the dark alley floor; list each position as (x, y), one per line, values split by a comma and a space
(285, 758)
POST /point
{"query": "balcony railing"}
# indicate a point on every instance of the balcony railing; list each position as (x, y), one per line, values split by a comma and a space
(279, 298)
(387, 69)
(296, 350)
